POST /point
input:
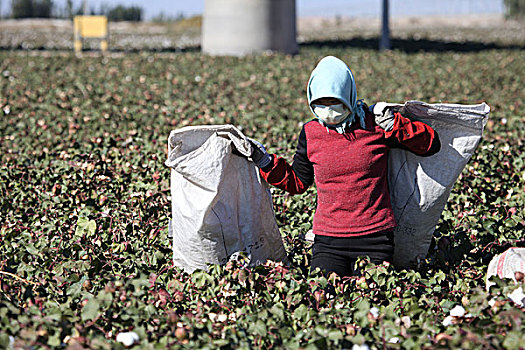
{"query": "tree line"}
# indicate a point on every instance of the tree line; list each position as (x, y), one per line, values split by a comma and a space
(48, 9)
(515, 9)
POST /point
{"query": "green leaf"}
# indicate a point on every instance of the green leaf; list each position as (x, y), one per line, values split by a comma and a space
(54, 340)
(85, 227)
(91, 310)
(278, 311)
(446, 305)
(32, 250)
(335, 335)
(4, 341)
(301, 312)
(259, 328)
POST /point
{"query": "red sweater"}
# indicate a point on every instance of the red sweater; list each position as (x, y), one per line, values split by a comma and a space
(350, 172)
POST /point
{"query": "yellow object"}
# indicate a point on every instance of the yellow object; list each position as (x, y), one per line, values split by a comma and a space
(78, 45)
(91, 27)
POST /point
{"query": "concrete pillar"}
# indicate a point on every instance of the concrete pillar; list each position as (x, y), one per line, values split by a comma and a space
(240, 27)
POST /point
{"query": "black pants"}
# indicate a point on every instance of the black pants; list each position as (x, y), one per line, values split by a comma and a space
(339, 254)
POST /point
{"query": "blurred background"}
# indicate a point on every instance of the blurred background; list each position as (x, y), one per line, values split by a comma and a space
(164, 25)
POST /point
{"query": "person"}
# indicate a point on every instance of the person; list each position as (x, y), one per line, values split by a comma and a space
(344, 150)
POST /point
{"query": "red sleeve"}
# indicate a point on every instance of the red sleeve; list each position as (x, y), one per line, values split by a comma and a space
(413, 135)
(282, 176)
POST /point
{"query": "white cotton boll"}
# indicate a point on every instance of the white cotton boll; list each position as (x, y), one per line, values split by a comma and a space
(128, 338)
(518, 297)
(360, 347)
(492, 302)
(11, 342)
(375, 312)
(393, 340)
(407, 322)
(448, 321)
(310, 236)
(457, 311)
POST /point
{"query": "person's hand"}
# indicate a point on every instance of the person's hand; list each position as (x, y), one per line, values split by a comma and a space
(385, 119)
(384, 114)
(260, 157)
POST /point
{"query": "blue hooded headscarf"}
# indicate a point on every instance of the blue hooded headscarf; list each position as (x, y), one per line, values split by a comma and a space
(333, 78)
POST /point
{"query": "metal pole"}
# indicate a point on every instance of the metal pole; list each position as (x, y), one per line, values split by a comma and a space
(385, 32)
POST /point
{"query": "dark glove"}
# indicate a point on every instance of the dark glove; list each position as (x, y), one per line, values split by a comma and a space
(260, 157)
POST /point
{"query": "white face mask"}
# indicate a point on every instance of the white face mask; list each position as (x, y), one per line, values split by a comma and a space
(331, 115)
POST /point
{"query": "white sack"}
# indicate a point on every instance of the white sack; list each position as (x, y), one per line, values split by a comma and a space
(220, 204)
(505, 265)
(420, 186)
